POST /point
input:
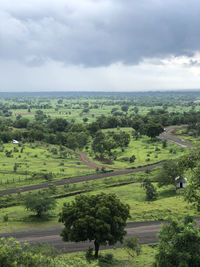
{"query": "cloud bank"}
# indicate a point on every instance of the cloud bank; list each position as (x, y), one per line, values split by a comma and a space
(99, 35)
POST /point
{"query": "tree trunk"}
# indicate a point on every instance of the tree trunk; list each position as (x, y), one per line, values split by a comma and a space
(96, 245)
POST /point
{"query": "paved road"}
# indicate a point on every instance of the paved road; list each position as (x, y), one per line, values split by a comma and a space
(145, 231)
(171, 138)
(77, 179)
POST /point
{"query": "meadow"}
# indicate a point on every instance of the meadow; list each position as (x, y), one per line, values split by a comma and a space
(34, 163)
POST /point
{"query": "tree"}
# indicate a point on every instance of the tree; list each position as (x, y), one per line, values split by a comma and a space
(192, 191)
(168, 173)
(39, 202)
(101, 218)
(153, 129)
(151, 192)
(179, 244)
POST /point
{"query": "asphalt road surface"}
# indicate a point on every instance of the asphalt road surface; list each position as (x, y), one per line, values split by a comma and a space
(145, 231)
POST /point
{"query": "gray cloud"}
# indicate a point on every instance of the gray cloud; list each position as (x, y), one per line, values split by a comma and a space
(97, 33)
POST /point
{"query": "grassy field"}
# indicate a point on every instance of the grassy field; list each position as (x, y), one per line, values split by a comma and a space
(121, 258)
(34, 163)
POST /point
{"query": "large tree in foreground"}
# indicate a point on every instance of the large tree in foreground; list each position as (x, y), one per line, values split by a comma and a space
(179, 244)
(101, 218)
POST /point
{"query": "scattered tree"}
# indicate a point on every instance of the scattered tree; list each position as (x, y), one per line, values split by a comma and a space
(39, 203)
(151, 192)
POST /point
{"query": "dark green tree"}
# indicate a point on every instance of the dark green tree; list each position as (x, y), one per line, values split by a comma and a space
(39, 203)
(101, 218)
(179, 244)
(153, 129)
(151, 192)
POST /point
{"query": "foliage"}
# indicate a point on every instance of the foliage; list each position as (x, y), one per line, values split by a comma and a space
(151, 192)
(192, 191)
(106, 260)
(132, 246)
(100, 217)
(179, 244)
(153, 129)
(169, 173)
(132, 158)
(39, 203)
(12, 253)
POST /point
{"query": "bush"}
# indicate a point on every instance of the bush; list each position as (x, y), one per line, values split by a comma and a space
(132, 159)
(5, 218)
(12, 253)
(89, 254)
(106, 259)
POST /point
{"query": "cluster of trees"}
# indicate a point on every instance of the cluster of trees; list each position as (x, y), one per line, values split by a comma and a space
(104, 143)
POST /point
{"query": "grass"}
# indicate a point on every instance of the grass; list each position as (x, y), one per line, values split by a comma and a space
(34, 160)
(121, 258)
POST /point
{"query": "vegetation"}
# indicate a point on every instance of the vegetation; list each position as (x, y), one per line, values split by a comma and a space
(101, 218)
(39, 203)
(151, 192)
(179, 244)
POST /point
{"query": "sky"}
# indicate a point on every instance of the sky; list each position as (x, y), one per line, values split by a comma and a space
(99, 45)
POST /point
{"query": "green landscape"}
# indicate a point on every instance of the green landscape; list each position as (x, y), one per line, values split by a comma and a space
(59, 150)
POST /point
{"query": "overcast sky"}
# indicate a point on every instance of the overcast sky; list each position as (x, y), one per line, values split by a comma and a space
(99, 45)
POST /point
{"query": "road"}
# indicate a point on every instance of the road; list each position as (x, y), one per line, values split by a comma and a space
(173, 139)
(145, 231)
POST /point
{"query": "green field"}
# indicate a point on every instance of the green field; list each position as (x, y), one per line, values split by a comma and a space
(34, 160)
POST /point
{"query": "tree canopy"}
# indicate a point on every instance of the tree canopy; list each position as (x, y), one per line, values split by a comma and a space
(39, 203)
(101, 218)
(179, 244)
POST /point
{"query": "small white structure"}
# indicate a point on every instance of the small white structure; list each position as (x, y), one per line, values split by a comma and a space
(15, 142)
(181, 182)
